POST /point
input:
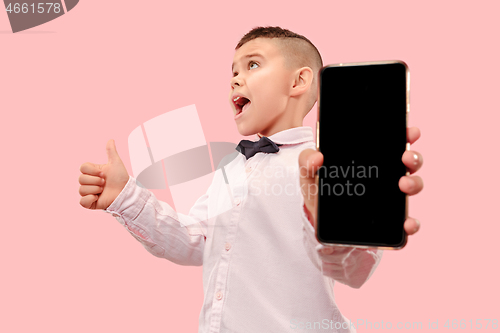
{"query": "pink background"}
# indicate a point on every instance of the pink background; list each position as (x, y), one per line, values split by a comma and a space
(106, 67)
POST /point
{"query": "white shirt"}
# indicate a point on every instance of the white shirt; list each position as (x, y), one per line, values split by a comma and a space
(263, 269)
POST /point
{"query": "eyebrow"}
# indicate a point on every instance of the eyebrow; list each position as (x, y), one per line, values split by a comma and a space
(248, 56)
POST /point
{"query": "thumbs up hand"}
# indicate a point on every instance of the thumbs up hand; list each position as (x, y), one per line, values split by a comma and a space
(102, 183)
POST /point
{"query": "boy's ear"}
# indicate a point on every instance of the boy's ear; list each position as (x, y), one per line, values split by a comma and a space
(302, 81)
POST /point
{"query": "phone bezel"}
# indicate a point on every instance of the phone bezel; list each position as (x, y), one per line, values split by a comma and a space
(407, 77)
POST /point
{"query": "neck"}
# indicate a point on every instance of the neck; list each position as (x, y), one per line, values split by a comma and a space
(273, 130)
(293, 116)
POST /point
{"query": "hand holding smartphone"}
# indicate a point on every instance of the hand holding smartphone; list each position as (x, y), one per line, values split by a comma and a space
(361, 132)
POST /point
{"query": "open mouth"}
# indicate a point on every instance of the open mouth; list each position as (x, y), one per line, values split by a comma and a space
(241, 104)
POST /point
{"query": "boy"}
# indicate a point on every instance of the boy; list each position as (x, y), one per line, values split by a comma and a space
(263, 269)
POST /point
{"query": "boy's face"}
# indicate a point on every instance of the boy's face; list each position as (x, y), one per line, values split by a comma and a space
(260, 88)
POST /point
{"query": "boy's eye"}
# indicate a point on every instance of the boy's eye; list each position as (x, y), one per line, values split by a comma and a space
(252, 65)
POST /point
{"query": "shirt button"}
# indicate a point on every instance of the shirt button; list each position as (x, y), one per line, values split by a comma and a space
(228, 246)
(237, 201)
(248, 169)
(218, 296)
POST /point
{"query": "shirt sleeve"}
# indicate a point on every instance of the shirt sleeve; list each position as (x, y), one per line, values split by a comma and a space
(347, 265)
(159, 228)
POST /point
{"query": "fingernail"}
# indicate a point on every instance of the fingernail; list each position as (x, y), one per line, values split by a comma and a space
(415, 159)
(102, 180)
(418, 225)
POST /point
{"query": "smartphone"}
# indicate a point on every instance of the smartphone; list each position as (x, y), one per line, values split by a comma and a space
(361, 132)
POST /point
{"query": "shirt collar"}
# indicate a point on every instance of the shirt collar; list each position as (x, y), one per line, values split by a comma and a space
(292, 136)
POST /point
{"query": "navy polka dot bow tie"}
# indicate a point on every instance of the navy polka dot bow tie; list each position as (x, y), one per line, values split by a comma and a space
(250, 148)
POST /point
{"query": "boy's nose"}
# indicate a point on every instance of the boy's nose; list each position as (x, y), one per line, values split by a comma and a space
(236, 82)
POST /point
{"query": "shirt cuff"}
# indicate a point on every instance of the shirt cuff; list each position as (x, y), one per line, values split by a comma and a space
(347, 265)
(130, 202)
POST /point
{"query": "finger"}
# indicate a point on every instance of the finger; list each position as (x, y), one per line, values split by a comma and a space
(412, 133)
(309, 162)
(91, 169)
(333, 258)
(411, 184)
(413, 160)
(111, 151)
(89, 201)
(89, 189)
(90, 180)
(411, 226)
(332, 268)
(336, 252)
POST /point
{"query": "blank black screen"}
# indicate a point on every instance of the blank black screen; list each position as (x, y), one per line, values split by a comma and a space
(362, 135)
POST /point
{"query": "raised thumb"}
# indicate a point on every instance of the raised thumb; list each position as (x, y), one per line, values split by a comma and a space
(111, 151)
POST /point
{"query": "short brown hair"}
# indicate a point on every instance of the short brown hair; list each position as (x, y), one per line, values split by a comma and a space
(297, 49)
(271, 32)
